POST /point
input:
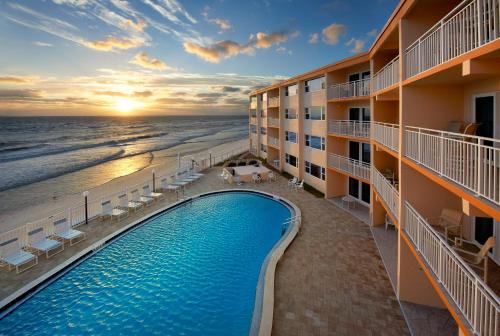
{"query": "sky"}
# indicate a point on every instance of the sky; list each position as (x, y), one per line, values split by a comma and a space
(164, 57)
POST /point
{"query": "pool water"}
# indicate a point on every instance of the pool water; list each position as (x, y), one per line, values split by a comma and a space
(192, 270)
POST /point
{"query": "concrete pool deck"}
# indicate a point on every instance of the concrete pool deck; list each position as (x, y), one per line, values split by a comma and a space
(331, 280)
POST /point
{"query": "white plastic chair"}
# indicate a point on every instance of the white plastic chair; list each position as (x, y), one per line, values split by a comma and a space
(293, 182)
(39, 243)
(13, 256)
(109, 211)
(63, 231)
(124, 203)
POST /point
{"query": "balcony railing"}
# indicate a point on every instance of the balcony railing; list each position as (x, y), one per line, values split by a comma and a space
(472, 162)
(468, 26)
(387, 76)
(273, 102)
(386, 190)
(272, 141)
(273, 122)
(359, 88)
(351, 166)
(359, 129)
(387, 135)
(253, 115)
(476, 301)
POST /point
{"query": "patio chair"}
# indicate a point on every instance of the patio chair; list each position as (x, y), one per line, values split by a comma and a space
(109, 211)
(455, 126)
(140, 199)
(271, 177)
(127, 205)
(40, 244)
(64, 232)
(165, 186)
(146, 192)
(13, 256)
(237, 180)
(475, 259)
(299, 186)
(450, 221)
(256, 178)
(293, 181)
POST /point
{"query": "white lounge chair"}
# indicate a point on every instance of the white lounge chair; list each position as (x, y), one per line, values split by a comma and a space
(146, 192)
(140, 199)
(63, 231)
(165, 186)
(109, 211)
(13, 256)
(125, 204)
(39, 243)
(293, 181)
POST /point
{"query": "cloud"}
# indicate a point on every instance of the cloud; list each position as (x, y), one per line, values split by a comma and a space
(357, 45)
(143, 60)
(169, 10)
(221, 23)
(75, 3)
(19, 94)
(42, 44)
(332, 33)
(137, 94)
(283, 50)
(236, 101)
(111, 43)
(139, 25)
(229, 89)
(313, 38)
(17, 80)
(217, 51)
(372, 33)
(210, 94)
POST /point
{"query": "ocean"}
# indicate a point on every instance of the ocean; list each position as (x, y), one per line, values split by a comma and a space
(49, 157)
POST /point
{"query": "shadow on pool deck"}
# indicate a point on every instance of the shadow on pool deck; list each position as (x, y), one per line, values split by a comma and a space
(331, 279)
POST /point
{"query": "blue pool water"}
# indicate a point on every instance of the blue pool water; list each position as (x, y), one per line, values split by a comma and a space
(192, 270)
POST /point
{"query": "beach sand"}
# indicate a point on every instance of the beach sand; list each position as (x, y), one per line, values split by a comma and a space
(42, 199)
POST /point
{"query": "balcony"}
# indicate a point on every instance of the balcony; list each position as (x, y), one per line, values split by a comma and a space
(273, 122)
(253, 105)
(359, 88)
(387, 76)
(470, 25)
(273, 102)
(352, 128)
(478, 304)
(470, 161)
(272, 141)
(350, 166)
(387, 135)
(388, 193)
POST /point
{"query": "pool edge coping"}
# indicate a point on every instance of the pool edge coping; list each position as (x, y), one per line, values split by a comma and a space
(261, 324)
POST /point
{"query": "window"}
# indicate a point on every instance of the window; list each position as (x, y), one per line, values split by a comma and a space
(289, 114)
(263, 130)
(315, 170)
(315, 84)
(253, 129)
(291, 90)
(263, 148)
(291, 160)
(291, 136)
(315, 142)
(315, 113)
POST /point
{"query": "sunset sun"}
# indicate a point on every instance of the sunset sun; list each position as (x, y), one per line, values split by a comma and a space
(125, 105)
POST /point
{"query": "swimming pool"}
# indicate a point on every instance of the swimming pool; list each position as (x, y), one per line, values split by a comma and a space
(191, 270)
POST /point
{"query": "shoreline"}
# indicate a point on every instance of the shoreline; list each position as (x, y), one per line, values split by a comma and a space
(34, 201)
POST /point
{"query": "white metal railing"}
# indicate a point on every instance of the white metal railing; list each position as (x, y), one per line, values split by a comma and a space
(354, 167)
(359, 88)
(360, 129)
(387, 76)
(273, 122)
(81, 212)
(468, 26)
(273, 142)
(472, 162)
(476, 301)
(387, 135)
(386, 190)
(273, 102)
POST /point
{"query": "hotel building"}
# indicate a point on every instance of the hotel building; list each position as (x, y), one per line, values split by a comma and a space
(410, 132)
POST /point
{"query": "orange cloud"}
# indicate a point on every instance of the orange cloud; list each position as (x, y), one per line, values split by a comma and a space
(217, 51)
(142, 59)
(139, 25)
(110, 43)
(16, 80)
(331, 34)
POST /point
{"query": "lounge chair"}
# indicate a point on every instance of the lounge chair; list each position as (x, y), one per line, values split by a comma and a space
(165, 186)
(127, 205)
(475, 259)
(64, 232)
(109, 211)
(146, 192)
(293, 181)
(13, 256)
(450, 221)
(39, 243)
(140, 199)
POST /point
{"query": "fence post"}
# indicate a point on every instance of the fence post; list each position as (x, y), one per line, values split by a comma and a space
(86, 195)
(154, 179)
(210, 162)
